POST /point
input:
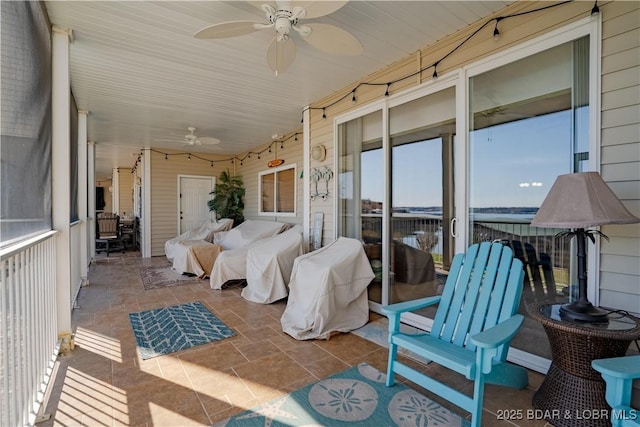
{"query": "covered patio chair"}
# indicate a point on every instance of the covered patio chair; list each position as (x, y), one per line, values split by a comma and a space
(328, 291)
(199, 256)
(269, 264)
(204, 233)
(230, 263)
(472, 328)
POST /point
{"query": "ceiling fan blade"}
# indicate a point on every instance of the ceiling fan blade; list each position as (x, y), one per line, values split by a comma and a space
(334, 40)
(281, 54)
(208, 140)
(316, 9)
(226, 29)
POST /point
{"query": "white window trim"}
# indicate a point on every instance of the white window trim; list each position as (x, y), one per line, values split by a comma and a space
(295, 191)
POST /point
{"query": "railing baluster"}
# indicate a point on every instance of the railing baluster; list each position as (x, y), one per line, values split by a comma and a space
(28, 327)
(4, 343)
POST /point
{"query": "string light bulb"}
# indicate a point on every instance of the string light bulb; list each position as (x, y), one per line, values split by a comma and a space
(496, 32)
(595, 9)
(324, 114)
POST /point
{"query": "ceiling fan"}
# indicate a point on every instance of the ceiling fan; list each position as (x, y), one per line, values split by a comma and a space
(192, 139)
(284, 16)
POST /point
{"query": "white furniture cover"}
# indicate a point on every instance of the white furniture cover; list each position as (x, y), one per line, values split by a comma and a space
(171, 246)
(249, 232)
(269, 264)
(328, 291)
(231, 263)
(195, 257)
(186, 261)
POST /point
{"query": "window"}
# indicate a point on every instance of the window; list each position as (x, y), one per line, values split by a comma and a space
(277, 189)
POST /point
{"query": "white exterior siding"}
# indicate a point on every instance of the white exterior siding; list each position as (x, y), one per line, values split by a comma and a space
(291, 153)
(620, 118)
(620, 152)
(164, 191)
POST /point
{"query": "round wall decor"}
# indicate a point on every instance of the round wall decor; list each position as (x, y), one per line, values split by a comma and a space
(318, 152)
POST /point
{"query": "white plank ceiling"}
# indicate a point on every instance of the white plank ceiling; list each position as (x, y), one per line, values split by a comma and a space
(136, 67)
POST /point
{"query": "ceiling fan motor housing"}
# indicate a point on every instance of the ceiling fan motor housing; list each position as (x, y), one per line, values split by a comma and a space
(283, 27)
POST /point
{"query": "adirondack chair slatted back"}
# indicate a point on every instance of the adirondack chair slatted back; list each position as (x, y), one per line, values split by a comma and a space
(483, 289)
(538, 273)
(472, 329)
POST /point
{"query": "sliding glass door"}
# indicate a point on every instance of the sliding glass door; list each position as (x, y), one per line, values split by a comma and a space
(421, 157)
(470, 160)
(396, 194)
(528, 124)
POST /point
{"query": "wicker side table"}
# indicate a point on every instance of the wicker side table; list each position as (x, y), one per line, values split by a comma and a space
(573, 393)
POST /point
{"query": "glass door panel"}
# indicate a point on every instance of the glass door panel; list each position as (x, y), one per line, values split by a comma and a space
(361, 189)
(421, 136)
(527, 126)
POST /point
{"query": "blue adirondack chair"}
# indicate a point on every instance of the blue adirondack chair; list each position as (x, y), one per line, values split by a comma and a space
(474, 323)
(618, 373)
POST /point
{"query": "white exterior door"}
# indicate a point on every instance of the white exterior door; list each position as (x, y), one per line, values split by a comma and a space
(193, 195)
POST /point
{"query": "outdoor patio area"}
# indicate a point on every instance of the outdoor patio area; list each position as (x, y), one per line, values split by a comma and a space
(104, 381)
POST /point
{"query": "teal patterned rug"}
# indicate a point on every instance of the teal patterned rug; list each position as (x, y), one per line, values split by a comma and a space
(179, 327)
(355, 397)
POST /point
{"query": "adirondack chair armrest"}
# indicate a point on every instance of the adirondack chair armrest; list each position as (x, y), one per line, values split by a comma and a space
(618, 374)
(625, 367)
(488, 341)
(499, 334)
(403, 307)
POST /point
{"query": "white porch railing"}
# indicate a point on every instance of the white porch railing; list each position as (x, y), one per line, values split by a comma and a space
(28, 327)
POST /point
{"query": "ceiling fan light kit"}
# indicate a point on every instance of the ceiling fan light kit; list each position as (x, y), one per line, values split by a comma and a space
(283, 16)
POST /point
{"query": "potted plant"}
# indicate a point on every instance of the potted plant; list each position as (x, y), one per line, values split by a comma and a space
(228, 196)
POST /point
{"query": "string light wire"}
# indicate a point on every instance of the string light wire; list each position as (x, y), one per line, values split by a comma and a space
(212, 162)
(352, 92)
(435, 64)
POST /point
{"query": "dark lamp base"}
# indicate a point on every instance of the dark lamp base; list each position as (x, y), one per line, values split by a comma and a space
(583, 313)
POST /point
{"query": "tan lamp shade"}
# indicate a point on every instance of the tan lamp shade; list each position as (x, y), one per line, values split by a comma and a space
(580, 200)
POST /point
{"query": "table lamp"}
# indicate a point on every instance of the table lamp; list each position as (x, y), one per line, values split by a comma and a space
(578, 201)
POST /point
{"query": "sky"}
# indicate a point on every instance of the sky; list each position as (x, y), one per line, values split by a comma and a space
(512, 165)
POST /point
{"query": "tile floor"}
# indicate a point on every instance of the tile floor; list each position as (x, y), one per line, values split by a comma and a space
(103, 382)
